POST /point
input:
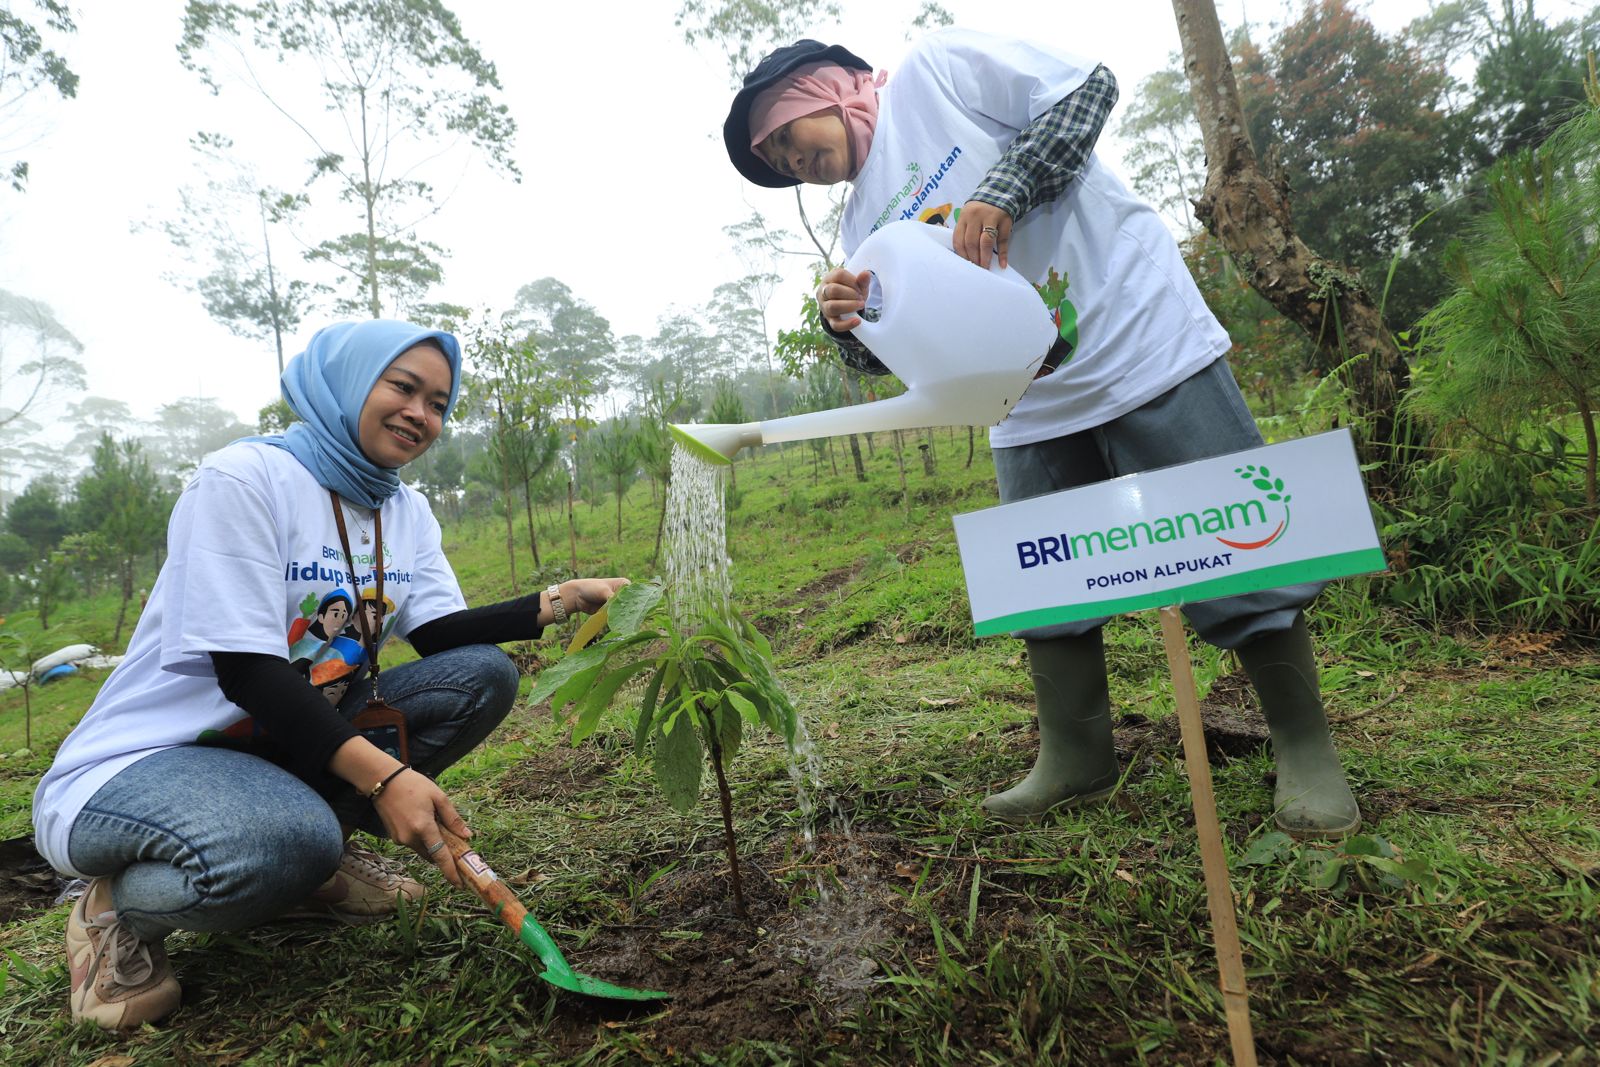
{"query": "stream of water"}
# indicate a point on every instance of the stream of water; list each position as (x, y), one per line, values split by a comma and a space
(835, 936)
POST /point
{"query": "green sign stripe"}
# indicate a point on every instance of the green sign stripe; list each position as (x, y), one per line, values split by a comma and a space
(1319, 569)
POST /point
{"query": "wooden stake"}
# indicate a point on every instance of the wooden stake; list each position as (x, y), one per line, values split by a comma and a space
(1219, 892)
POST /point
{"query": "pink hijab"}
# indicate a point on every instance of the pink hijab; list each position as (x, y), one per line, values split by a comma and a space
(822, 87)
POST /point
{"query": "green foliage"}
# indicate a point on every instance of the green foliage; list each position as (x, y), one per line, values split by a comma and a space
(28, 64)
(1519, 336)
(745, 30)
(1365, 863)
(1489, 539)
(706, 681)
(1360, 124)
(398, 80)
(1166, 161)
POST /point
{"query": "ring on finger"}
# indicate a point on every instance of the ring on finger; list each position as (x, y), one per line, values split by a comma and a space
(433, 849)
(992, 231)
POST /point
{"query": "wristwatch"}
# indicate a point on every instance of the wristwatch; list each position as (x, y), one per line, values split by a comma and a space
(558, 610)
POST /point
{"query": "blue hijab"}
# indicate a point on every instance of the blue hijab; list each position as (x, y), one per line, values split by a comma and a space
(327, 385)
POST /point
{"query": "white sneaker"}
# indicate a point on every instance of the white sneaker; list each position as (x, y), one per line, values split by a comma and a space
(118, 981)
(363, 889)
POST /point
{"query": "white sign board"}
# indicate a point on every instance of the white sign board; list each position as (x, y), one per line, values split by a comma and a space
(1272, 516)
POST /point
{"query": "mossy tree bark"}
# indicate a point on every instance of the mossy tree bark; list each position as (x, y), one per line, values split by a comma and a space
(1248, 210)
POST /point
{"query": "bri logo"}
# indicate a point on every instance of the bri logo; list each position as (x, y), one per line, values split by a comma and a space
(1246, 516)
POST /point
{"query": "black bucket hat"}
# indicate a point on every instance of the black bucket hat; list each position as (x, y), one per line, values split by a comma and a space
(769, 72)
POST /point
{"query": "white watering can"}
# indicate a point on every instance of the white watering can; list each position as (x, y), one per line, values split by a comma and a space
(966, 342)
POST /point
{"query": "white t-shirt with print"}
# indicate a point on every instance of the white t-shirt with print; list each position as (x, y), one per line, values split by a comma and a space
(1097, 253)
(254, 565)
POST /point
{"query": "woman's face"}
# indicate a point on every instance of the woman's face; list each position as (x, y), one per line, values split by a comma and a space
(813, 148)
(405, 410)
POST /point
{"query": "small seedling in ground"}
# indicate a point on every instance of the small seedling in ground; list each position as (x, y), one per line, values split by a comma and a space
(707, 678)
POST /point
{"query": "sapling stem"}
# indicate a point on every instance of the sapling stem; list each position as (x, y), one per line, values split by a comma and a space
(727, 819)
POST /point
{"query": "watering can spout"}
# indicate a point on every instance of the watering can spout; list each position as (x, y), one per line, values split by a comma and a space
(967, 342)
(716, 442)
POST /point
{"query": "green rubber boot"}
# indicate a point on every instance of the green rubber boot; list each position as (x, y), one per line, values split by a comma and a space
(1077, 761)
(1312, 798)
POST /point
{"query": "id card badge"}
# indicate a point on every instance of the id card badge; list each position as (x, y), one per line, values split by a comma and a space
(385, 727)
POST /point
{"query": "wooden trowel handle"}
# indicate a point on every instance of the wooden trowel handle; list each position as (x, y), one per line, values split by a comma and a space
(482, 880)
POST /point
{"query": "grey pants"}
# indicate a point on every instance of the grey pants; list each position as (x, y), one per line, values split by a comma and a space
(1200, 417)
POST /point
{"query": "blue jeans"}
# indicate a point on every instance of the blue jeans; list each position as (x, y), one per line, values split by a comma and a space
(199, 838)
(1200, 417)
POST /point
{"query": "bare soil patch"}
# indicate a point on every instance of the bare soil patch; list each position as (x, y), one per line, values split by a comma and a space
(28, 885)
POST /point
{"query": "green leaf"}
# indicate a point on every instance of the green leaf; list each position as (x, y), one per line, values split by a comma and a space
(1262, 483)
(1368, 845)
(1268, 848)
(730, 728)
(679, 760)
(1330, 874)
(743, 707)
(633, 602)
(647, 709)
(599, 697)
(574, 687)
(552, 678)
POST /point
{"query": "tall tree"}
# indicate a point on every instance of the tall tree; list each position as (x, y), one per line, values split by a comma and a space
(616, 460)
(227, 231)
(38, 516)
(38, 365)
(401, 86)
(121, 499)
(1168, 164)
(28, 64)
(1529, 75)
(38, 357)
(186, 429)
(91, 418)
(574, 344)
(1357, 122)
(1249, 211)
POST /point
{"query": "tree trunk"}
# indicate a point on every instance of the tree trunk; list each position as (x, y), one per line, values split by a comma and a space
(1248, 211)
(572, 525)
(900, 461)
(511, 529)
(533, 538)
(127, 595)
(855, 445)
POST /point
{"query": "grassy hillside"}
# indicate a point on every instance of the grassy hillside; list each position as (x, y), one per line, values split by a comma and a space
(908, 930)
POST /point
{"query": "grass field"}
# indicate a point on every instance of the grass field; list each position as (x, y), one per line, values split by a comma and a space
(910, 931)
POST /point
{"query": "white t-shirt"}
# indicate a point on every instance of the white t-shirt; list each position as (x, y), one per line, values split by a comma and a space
(1098, 255)
(254, 565)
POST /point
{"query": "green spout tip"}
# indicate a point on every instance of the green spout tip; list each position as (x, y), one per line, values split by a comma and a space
(698, 447)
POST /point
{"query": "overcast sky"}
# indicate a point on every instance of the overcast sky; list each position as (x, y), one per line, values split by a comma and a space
(625, 190)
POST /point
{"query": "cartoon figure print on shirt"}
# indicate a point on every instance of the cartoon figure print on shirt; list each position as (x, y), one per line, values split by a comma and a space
(326, 646)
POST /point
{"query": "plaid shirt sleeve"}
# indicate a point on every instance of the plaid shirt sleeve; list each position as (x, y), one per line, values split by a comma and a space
(1052, 150)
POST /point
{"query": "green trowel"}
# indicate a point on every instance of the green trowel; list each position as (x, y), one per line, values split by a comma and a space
(557, 971)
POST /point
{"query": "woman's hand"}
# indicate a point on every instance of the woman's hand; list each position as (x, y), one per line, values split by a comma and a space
(840, 296)
(588, 595)
(981, 231)
(413, 808)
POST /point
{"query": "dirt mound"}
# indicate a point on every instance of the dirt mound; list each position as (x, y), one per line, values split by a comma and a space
(806, 957)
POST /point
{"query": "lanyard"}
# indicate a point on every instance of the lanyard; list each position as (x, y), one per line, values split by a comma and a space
(369, 629)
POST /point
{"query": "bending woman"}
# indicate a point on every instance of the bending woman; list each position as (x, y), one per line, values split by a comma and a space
(212, 785)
